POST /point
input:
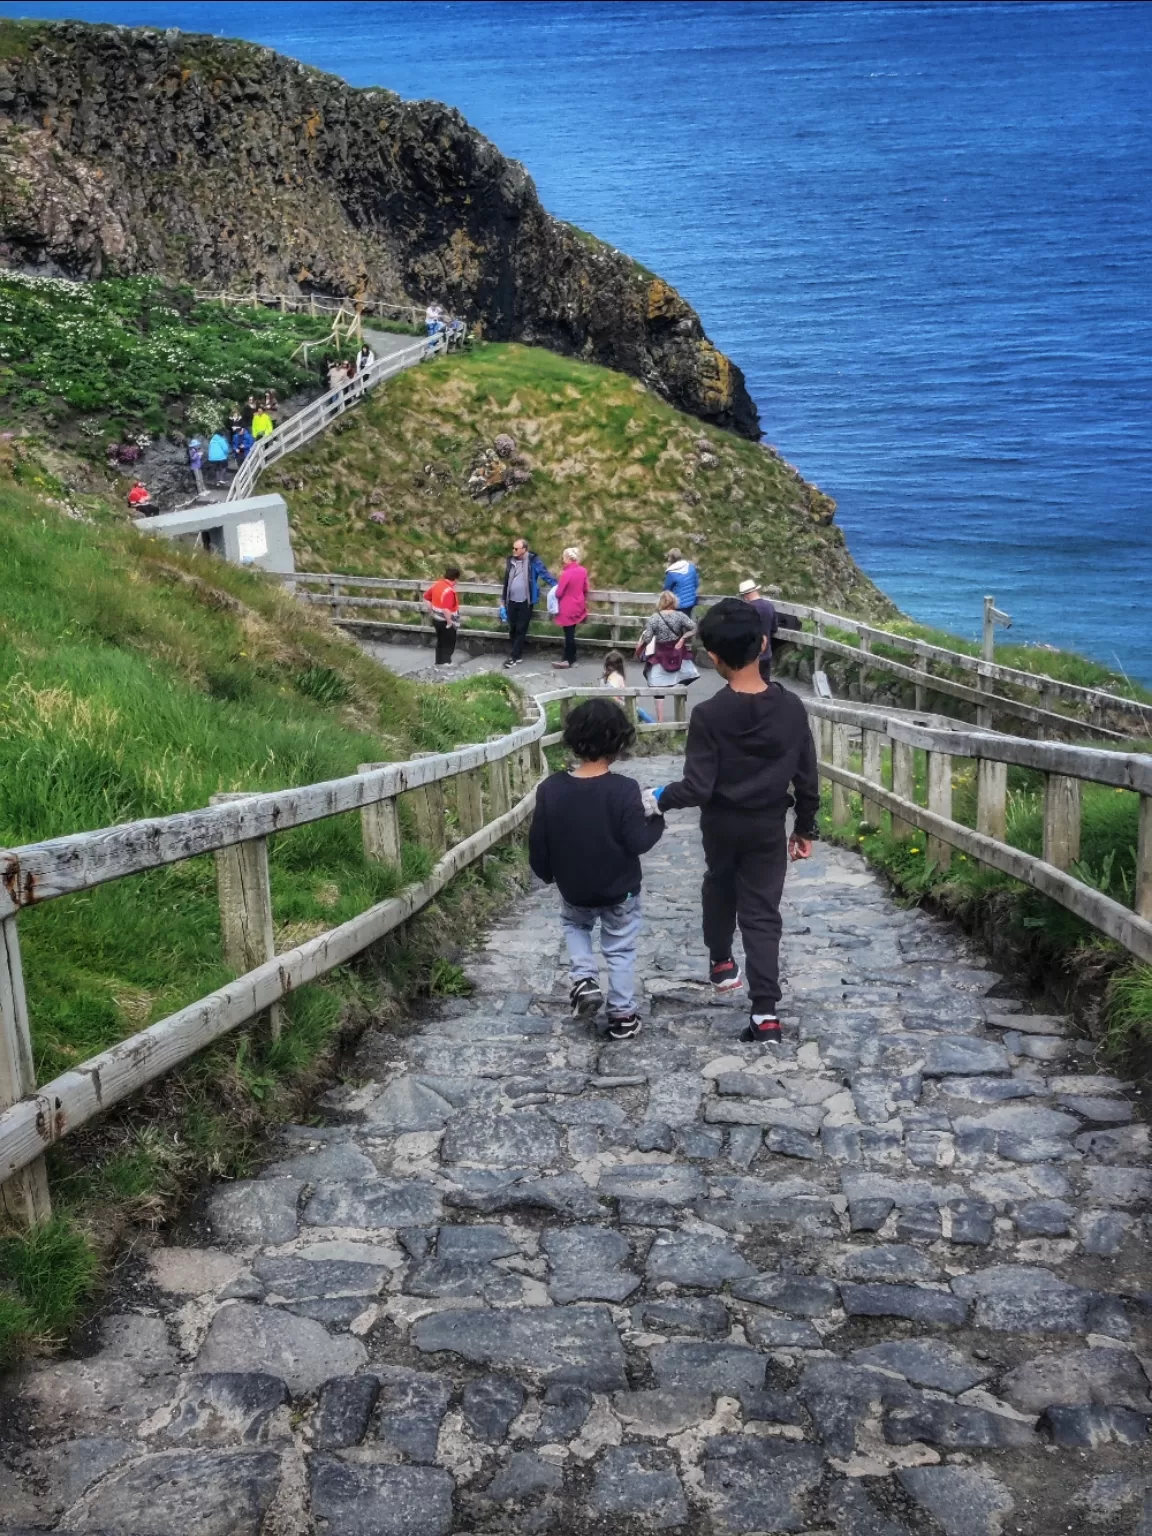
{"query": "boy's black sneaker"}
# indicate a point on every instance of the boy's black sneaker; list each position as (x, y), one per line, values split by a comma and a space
(585, 998)
(625, 1028)
(725, 975)
(763, 1029)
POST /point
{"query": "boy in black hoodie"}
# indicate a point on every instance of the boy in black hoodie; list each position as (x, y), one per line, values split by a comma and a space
(588, 831)
(746, 746)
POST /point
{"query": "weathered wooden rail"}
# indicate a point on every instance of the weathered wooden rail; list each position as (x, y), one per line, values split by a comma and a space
(317, 305)
(624, 613)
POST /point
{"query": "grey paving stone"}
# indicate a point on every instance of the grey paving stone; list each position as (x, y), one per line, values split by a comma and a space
(524, 1475)
(671, 1183)
(768, 1332)
(788, 1143)
(964, 1501)
(1096, 1108)
(575, 1343)
(588, 1264)
(692, 1259)
(955, 1427)
(1090, 1427)
(759, 1485)
(707, 1367)
(840, 1397)
(972, 1221)
(1072, 1376)
(773, 1407)
(920, 1224)
(527, 1139)
(1103, 1232)
(226, 1408)
(674, 1097)
(654, 1136)
(1017, 1298)
(1111, 1493)
(797, 1117)
(342, 1412)
(1042, 1218)
(1124, 1143)
(306, 1279)
(925, 1363)
(489, 1191)
(247, 1338)
(1123, 1187)
(407, 1104)
(564, 1407)
(744, 1141)
(918, 1303)
(869, 1213)
(799, 1295)
(183, 1493)
(856, 1515)
(990, 1090)
(703, 1142)
(59, 1474)
(337, 1160)
(372, 1204)
(962, 1056)
(660, 1412)
(639, 1481)
(702, 1316)
(350, 1500)
(888, 1262)
(410, 1406)
(255, 1210)
(489, 1404)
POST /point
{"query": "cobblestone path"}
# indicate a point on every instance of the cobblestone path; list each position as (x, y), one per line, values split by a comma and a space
(888, 1282)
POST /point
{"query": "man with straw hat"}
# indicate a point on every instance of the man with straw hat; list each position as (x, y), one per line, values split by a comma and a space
(769, 622)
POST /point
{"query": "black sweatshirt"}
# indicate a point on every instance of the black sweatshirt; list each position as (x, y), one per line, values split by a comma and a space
(587, 835)
(744, 750)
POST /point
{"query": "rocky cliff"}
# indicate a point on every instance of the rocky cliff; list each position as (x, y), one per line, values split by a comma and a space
(228, 165)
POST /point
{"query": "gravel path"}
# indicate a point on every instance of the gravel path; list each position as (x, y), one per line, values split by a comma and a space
(890, 1281)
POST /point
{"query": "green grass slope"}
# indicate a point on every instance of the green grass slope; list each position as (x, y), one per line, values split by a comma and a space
(612, 468)
(136, 680)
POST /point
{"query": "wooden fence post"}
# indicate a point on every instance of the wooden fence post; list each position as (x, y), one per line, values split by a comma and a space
(921, 690)
(565, 711)
(469, 802)
(24, 1197)
(816, 726)
(1062, 821)
(630, 708)
(245, 896)
(499, 787)
(1144, 859)
(983, 711)
(904, 785)
(940, 801)
(427, 804)
(380, 826)
(818, 649)
(992, 799)
(839, 760)
(871, 756)
(681, 707)
(615, 621)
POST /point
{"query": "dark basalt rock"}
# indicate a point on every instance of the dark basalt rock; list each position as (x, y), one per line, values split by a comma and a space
(118, 136)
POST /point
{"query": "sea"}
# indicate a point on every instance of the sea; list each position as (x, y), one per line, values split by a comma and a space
(924, 231)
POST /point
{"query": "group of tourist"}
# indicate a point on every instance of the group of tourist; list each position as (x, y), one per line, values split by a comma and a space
(439, 322)
(209, 463)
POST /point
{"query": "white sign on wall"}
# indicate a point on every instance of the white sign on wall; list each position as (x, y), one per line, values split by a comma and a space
(251, 541)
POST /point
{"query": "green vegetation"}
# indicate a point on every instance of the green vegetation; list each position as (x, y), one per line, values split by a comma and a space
(1044, 939)
(613, 468)
(137, 354)
(137, 680)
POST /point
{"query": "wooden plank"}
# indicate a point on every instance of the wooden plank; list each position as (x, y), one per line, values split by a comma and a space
(921, 692)
(427, 805)
(470, 802)
(1061, 821)
(499, 787)
(71, 1100)
(871, 757)
(839, 760)
(680, 706)
(1110, 917)
(903, 788)
(940, 804)
(42, 871)
(1143, 893)
(24, 1195)
(244, 891)
(992, 798)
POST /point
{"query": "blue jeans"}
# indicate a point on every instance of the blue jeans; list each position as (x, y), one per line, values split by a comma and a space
(619, 930)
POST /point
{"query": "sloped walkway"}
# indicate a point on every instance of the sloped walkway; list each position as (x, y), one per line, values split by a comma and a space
(886, 1283)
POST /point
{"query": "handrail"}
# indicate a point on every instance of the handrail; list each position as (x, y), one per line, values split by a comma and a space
(1065, 768)
(320, 413)
(312, 303)
(342, 588)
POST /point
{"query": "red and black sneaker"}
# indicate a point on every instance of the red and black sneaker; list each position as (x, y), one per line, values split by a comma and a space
(763, 1029)
(725, 975)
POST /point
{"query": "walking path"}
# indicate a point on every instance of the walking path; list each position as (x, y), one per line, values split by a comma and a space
(887, 1282)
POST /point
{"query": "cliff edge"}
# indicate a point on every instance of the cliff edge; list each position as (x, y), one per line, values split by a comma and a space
(228, 165)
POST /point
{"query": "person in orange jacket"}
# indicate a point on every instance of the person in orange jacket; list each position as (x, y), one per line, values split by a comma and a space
(442, 604)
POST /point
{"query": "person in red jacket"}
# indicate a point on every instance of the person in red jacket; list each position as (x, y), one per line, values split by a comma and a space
(140, 499)
(443, 605)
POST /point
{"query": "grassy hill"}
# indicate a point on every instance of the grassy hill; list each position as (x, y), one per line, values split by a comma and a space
(609, 466)
(136, 680)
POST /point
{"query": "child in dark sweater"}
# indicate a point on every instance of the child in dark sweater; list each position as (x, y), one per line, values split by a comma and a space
(747, 745)
(588, 831)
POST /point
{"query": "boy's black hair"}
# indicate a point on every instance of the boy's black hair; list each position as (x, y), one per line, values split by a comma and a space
(451, 573)
(598, 728)
(731, 629)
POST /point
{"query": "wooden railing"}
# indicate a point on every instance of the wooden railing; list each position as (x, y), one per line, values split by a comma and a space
(624, 614)
(1066, 769)
(320, 413)
(314, 304)
(235, 828)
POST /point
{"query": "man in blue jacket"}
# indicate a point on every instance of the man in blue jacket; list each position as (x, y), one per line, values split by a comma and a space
(683, 579)
(523, 573)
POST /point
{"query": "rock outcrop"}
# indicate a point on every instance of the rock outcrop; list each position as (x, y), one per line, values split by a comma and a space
(136, 151)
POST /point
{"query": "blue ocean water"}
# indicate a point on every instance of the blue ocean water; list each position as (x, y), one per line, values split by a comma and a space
(923, 230)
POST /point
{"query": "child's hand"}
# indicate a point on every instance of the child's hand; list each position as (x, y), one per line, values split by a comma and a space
(799, 848)
(651, 799)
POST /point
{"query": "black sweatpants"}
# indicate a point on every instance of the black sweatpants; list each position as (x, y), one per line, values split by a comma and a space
(519, 618)
(445, 641)
(747, 858)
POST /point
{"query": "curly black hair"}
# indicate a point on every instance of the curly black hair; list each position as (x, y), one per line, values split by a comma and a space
(598, 729)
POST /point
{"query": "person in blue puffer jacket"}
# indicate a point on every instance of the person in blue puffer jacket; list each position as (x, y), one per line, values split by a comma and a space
(682, 578)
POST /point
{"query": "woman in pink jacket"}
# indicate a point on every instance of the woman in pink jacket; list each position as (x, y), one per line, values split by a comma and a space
(571, 602)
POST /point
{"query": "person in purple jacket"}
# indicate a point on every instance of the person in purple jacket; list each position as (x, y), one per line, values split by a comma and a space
(588, 831)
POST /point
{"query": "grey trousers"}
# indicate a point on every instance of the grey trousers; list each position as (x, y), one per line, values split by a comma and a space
(619, 930)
